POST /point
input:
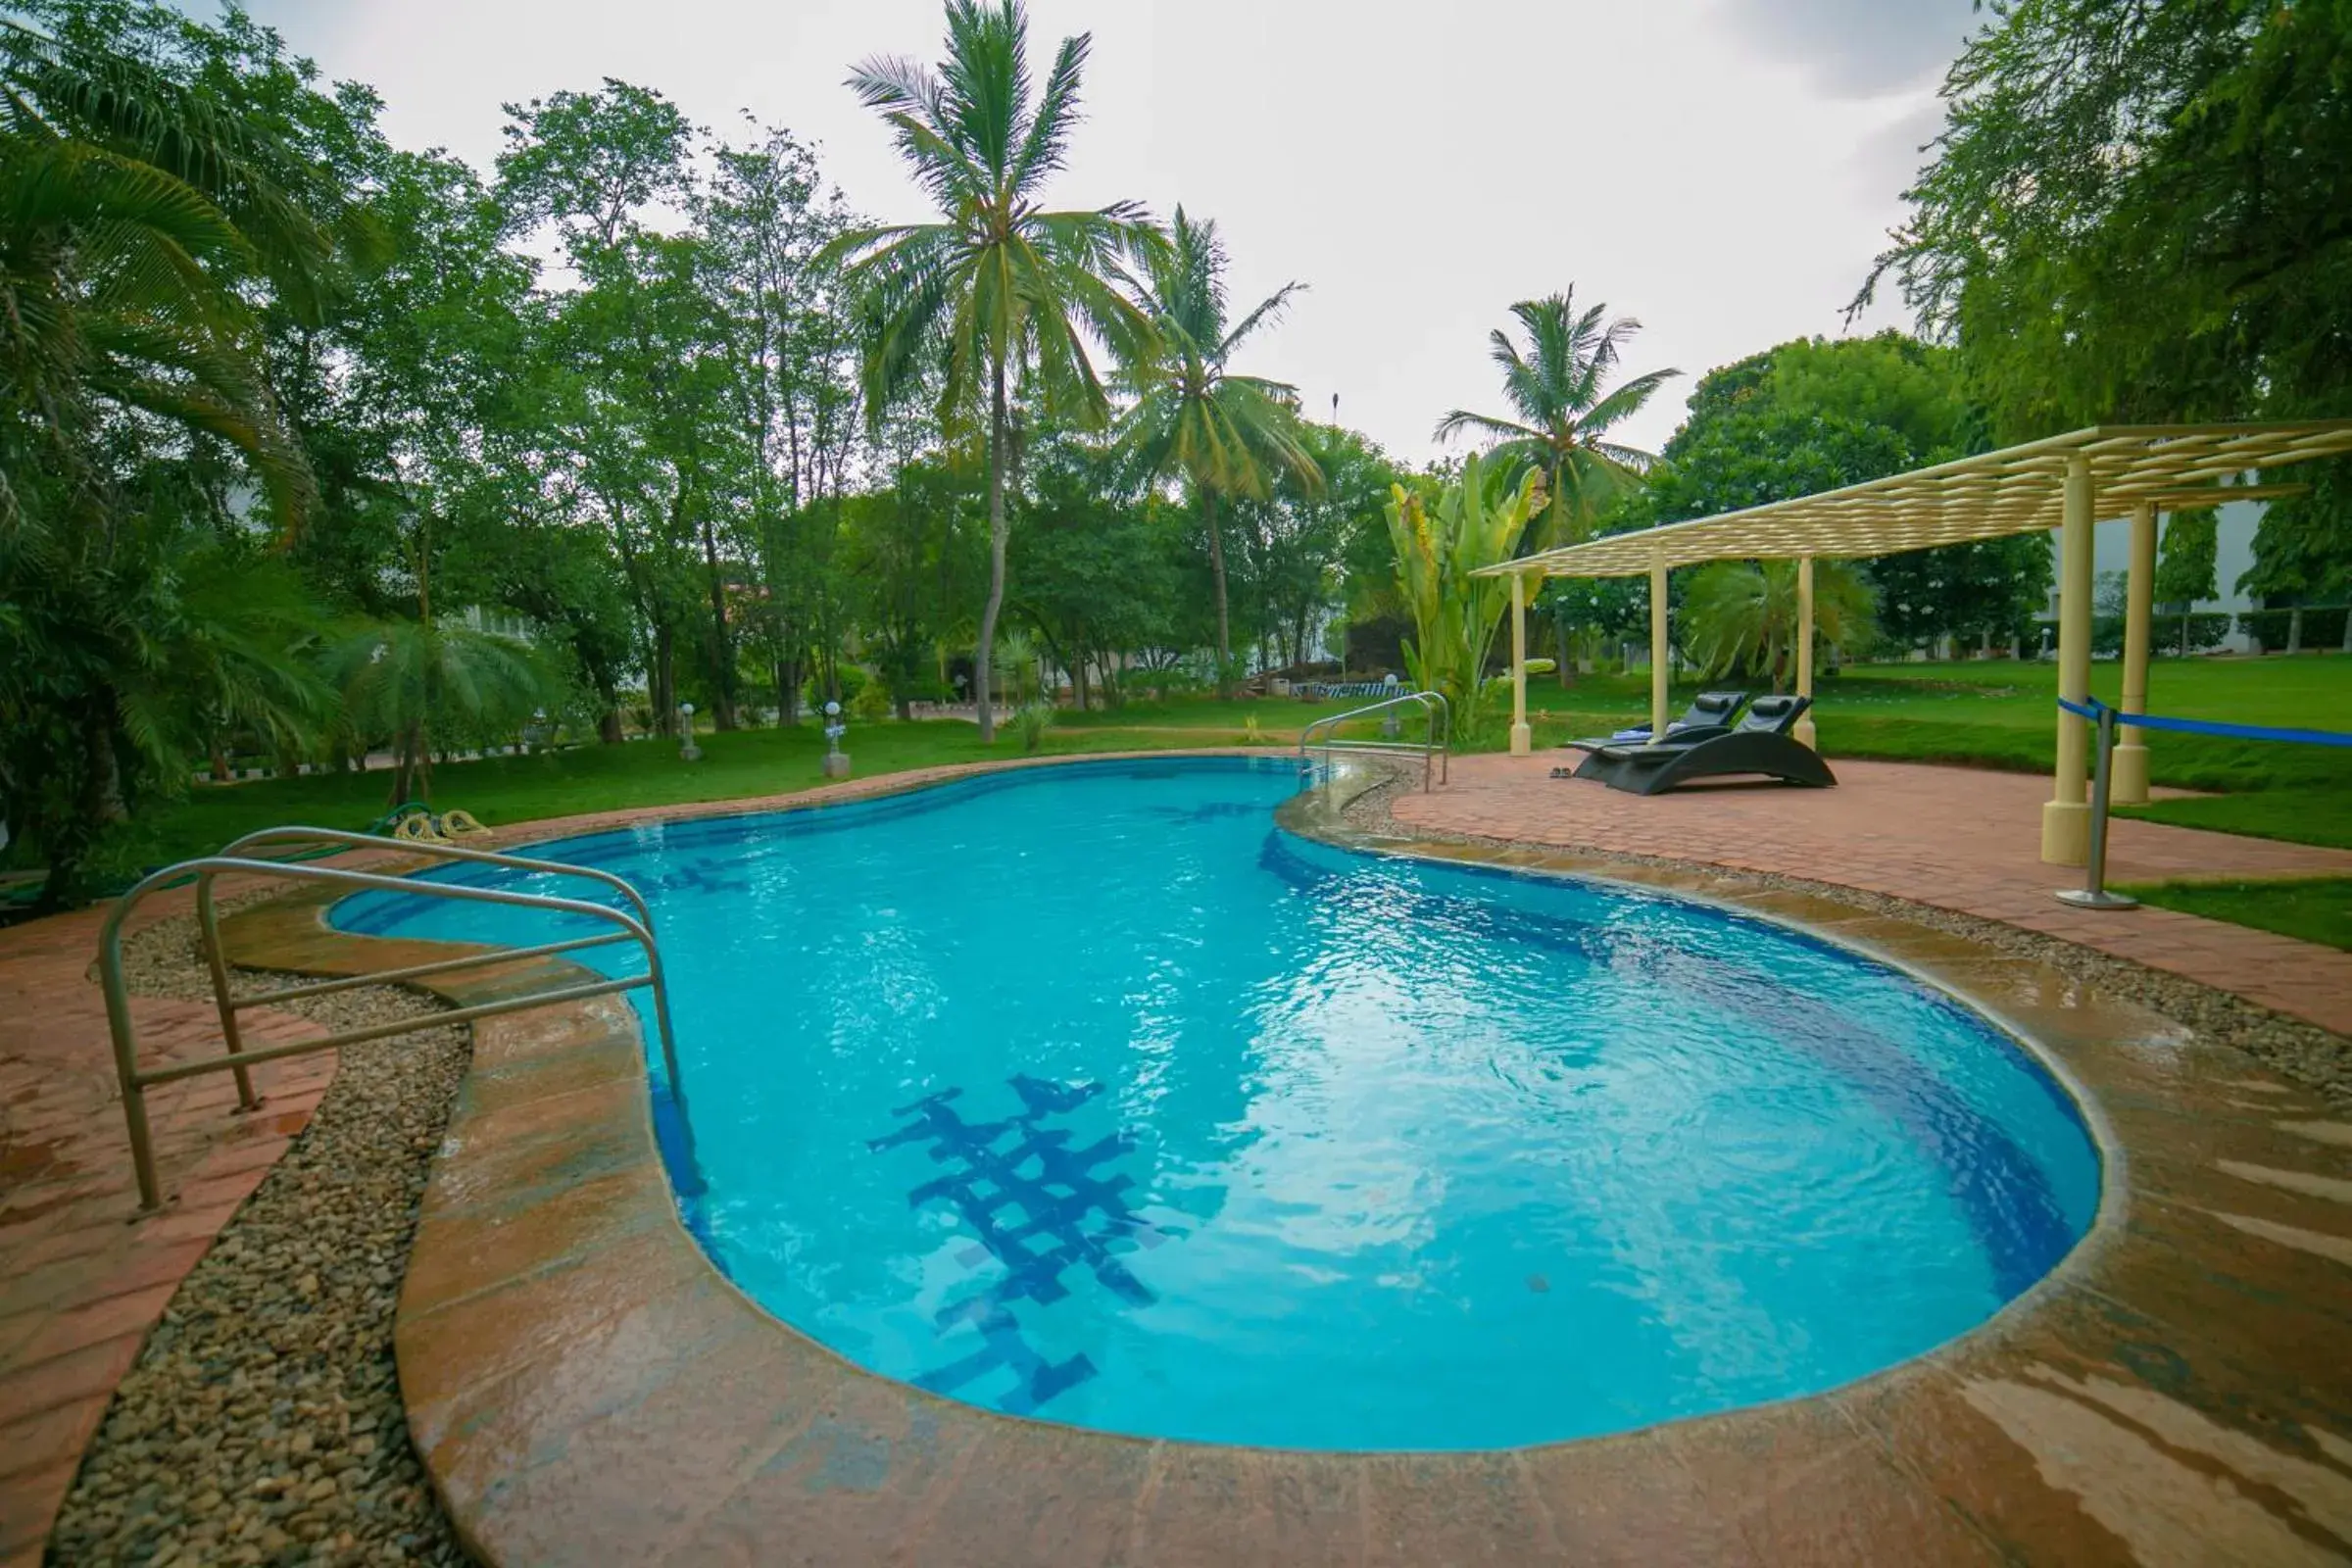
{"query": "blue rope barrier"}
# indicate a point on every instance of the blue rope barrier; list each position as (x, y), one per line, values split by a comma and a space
(2092, 708)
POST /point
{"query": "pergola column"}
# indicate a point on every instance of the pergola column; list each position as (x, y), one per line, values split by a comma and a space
(1522, 738)
(2127, 774)
(2066, 815)
(1658, 650)
(1805, 732)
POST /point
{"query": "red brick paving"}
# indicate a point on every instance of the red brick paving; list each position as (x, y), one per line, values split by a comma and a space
(1955, 838)
(81, 1283)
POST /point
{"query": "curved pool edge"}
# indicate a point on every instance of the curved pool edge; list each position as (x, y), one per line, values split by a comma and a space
(1715, 890)
(584, 1385)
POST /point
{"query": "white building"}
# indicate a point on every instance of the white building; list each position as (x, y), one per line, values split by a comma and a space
(2234, 557)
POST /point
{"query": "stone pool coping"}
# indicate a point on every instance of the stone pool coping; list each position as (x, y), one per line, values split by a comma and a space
(585, 1385)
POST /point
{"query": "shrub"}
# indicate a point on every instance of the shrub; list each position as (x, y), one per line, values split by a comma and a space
(871, 703)
(1030, 723)
(2323, 626)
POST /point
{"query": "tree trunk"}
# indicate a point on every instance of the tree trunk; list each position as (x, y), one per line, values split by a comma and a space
(221, 773)
(607, 726)
(2294, 630)
(722, 644)
(405, 750)
(104, 778)
(1566, 666)
(1216, 571)
(788, 693)
(663, 683)
(986, 654)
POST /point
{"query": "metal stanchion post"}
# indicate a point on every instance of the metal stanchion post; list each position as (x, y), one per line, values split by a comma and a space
(2093, 894)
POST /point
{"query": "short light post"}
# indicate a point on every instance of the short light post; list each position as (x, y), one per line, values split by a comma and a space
(688, 751)
(1390, 726)
(837, 760)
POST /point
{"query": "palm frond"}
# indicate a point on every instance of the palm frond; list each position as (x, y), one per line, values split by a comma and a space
(1046, 148)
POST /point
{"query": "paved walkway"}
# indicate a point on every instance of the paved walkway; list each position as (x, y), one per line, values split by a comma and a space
(1950, 837)
(81, 1284)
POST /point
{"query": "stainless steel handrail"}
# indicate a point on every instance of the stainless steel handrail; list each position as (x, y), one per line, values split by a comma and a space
(1436, 748)
(208, 920)
(134, 1081)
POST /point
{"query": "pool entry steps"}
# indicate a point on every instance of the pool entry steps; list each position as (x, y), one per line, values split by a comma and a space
(1435, 748)
(234, 861)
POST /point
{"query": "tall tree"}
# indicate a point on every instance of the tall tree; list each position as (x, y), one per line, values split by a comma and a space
(2184, 569)
(1562, 410)
(1194, 414)
(2141, 212)
(1811, 416)
(999, 291)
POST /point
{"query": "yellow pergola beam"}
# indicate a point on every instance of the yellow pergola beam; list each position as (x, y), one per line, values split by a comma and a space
(1990, 496)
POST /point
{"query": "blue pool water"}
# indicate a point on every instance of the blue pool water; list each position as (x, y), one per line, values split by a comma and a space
(1089, 1094)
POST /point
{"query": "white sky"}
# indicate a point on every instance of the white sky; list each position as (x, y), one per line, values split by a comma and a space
(1723, 169)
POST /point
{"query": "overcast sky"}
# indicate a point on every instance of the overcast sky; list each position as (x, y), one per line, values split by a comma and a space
(1723, 169)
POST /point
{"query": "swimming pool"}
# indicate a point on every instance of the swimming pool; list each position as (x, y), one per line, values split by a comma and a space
(1089, 1094)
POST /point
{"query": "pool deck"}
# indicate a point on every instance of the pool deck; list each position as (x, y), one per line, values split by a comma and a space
(585, 1387)
(1952, 838)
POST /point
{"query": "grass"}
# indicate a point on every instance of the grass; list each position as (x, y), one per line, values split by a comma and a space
(504, 790)
(2310, 910)
(1989, 714)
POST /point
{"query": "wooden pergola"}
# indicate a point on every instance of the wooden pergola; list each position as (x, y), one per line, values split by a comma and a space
(2064, 482)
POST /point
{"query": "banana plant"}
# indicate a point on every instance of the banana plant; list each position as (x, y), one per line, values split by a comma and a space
(1455, 615)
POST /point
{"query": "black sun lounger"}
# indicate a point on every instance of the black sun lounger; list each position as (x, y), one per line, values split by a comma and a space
(1759, 743)
(1709, 714)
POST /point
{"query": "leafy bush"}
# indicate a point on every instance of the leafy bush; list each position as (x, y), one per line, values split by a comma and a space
(1031, 722)
(871, 703)
(2323, 626)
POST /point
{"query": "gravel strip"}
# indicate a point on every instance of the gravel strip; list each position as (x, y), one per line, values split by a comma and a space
(2303, 1051)
(262, 1422)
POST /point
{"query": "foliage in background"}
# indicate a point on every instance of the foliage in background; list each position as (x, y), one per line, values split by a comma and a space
(1194, 415)
(1562, 410)
(2184, 566)
(1441, 540)
(1812, 415)
(1740, 617)
(2144, 214)
(138, 224)
(1001, 291)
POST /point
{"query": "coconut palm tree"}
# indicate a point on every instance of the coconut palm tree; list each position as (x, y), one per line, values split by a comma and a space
(1225, 432)
(999, 292)
(1562, 410)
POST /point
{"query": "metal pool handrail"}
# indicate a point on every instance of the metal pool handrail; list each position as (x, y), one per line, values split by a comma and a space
(208, 923)
(1433, 749)
(135, 1081)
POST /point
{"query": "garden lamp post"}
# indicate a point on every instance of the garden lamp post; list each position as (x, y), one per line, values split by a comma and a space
(688, 751)
(837, 760)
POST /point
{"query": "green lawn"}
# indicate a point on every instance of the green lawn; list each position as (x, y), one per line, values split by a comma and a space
(2314, 909)
(1992, 714)
(596, 778)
